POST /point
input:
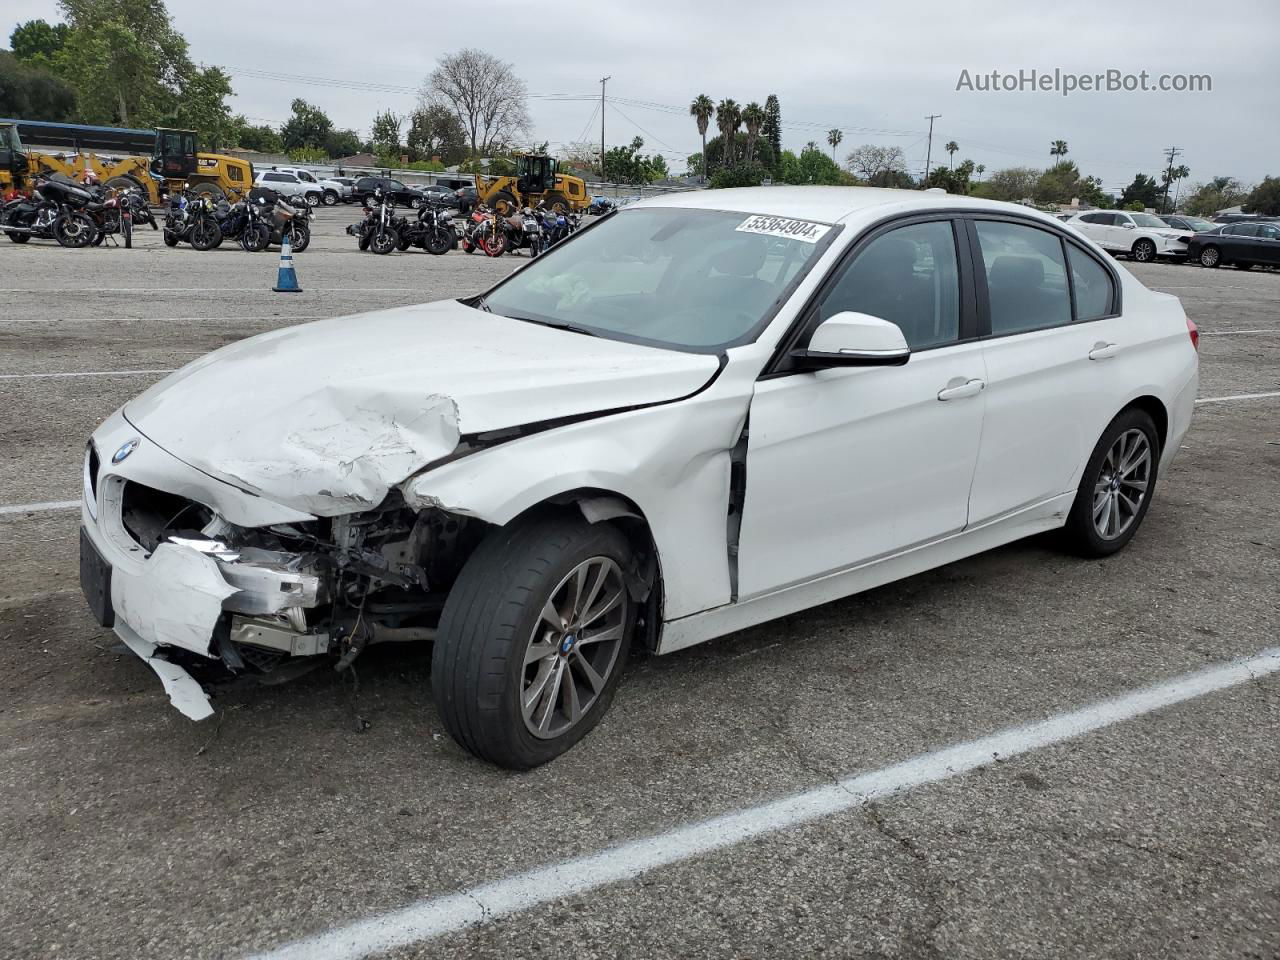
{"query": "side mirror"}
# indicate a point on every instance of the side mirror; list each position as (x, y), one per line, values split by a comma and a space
(1129, 225)
(851, 339)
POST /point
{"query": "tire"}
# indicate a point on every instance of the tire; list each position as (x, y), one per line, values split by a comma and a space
(558, 203)
(331, 198)
(1144, 251)
(363, 243)
(439, 242)
(467, 246)
(299, 237)
(170, 239)
(493, 621)
(211, 190)
(126, 227)
(204, 235)
(122, 183)
(493, 246)
(503, 203)
(1103, 487)
(1210, 257)
(313, 199)
(416, 203)
(19, 237)
(384, 242)
(402, 243)
(74, 230)
(255, 238)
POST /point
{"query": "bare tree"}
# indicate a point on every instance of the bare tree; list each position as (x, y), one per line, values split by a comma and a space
(876, 164)
(485, 93)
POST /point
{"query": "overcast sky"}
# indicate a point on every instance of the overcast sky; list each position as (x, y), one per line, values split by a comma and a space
(875, 70)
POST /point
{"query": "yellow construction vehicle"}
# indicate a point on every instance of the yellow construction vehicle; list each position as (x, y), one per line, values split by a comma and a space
(537, 180)
(151, 160)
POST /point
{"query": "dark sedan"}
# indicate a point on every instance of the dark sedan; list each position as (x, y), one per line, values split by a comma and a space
(401, 195)
(1241, 245)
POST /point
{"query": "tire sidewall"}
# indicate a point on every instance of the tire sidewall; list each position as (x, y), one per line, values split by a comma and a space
(1079, 528)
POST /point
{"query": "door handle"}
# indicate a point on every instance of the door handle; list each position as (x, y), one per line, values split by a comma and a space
(959, 388)
(1103, 351)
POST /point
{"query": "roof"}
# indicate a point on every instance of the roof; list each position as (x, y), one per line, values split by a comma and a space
(828, 204)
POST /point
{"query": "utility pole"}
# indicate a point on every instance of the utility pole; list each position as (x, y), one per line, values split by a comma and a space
(1172, 153)
(603, 81)
(928, 155)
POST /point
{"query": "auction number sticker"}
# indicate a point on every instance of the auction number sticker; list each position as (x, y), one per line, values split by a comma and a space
(804, 230)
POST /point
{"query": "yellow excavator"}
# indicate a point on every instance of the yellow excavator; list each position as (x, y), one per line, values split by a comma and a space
(151, 160)
(537, 180)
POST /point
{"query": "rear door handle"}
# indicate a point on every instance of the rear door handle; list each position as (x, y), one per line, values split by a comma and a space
(1103, 351)
(959, 388)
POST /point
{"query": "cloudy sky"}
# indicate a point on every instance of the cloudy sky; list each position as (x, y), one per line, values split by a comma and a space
(875, 70)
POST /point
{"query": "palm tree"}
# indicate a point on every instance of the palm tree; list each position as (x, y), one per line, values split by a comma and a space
(701, 110)
(1058, 149)
(951, 148)
(728, 118)
(753, 117)
(980, 169)
(834, 136)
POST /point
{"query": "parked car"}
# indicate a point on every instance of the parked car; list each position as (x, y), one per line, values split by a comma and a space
(466, 199)
(1241, 218)
(348, 187)
(331, 190)
(288, 185)
(438, 193)
(1242, 245)
(400, 194)
(704, 412)
(1139, 235)
(600, 206)
(1182, 221)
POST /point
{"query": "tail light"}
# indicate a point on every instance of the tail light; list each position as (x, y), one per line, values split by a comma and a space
(1194, 333)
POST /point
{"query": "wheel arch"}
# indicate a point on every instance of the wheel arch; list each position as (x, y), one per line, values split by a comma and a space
(1153, 407)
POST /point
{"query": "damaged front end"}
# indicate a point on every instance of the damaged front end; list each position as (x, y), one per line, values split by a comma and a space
(184, 587)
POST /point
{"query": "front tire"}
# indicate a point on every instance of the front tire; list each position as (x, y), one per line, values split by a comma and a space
(1144, 251)
(1115, 491)
(383, 242)
(299, 237)
(533, 639)
(1210, 257)
(313, 200)
(74, 230)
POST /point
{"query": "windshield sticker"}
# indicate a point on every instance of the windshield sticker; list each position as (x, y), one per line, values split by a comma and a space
(803, 230)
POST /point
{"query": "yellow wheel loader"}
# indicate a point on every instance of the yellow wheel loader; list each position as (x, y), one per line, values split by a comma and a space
(537, 180)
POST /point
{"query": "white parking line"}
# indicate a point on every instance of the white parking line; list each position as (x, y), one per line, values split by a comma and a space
(85, 373)
(47, 507)
(1237, 333)
(480, 905)
(1239, 396)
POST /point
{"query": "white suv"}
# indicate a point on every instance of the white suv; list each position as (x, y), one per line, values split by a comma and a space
(288, 185)
(331, 190)
(1140, 235)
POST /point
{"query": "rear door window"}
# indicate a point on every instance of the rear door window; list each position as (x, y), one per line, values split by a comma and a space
(1026, 277)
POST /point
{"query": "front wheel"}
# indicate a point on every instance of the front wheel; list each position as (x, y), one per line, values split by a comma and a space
(493, 246)
(439, 242)
(170, 238)
(299, 237)
(1210, 257)
(255, 238)
(1144, 251)
(205, 235)
(383, 242)
(533, 639)
(74, 230)
(313, 199)
(1116, 488)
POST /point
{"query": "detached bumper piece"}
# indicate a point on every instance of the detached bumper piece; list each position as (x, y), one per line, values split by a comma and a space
(184, 692)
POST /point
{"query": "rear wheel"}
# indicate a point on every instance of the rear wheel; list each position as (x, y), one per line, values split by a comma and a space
(557, 203)
(74, 230)
(18, 237)
(363, 242)
(331, 198)
(1210, 257)
(210, 190)
(1144, 251)
(170, 238)
(503, 203)
(313, 199)
(1116, 488)
(533, 639)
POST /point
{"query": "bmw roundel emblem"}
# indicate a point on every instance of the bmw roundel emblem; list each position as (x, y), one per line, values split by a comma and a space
(126, 448)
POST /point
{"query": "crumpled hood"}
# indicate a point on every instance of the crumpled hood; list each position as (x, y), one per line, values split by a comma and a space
(326, 417)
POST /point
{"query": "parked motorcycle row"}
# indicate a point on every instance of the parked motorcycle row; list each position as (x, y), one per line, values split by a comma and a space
(76, 214)
(434, 230)
(260, 220)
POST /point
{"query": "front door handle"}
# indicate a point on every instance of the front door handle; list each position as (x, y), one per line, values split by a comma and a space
(959, 388)
(1103, 351)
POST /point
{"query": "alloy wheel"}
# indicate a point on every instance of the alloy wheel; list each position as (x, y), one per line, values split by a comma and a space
(1121, 486)
(573, 649)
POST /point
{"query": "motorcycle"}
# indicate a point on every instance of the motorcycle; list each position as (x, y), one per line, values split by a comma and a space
(557, 226)
(56, 210)
(523, 231)
(191, 217)
(485, 232)
(433, 231)
(377, 231)
(265, 217)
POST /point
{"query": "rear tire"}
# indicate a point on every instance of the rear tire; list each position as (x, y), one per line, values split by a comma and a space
(170, 239)
(331, 198)
(363, 243)
(1210, 257)
(19, 237)
(1122, 469)
(313, 199)
(497, 648)
(503, 203)
(74, 230)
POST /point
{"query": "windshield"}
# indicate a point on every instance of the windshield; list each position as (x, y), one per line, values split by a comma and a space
(1147, 220)
(1198, 224)
(689, 279)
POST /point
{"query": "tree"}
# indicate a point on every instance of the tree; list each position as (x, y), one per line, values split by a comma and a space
(980, 169)
(125, 59)
(38, 42)
(203, 107)
(261, 139)
(745, 174)
(1011, 184)
(626, 165)
(484, 93)
(436, 131)
(728, 119)
(701, 110)
(753, 117)
(32, 91)
(341, 143)
(812, 166)
(1143, 190)
(879, 166)
(771, 130)
(764, 153)
(1264, 199)
(386, 132)
(834, 136)
(953, 179)
(951, 149)
(308, 126)
(1171, 176)
(1058, 149)
(1206, 199)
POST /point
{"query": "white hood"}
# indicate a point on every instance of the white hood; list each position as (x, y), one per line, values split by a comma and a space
(326, 417)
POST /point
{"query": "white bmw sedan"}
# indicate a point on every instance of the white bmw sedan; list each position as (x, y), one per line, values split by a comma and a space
(703, 412)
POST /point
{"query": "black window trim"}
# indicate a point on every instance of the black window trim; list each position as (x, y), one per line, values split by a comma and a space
(804, 324)
(1065, 239)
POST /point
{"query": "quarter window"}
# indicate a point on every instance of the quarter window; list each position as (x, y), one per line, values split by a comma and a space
(1092, 284)
(1026, 277)
(909, 277)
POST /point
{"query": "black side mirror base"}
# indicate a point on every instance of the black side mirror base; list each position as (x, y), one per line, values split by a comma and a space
(818, 360)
